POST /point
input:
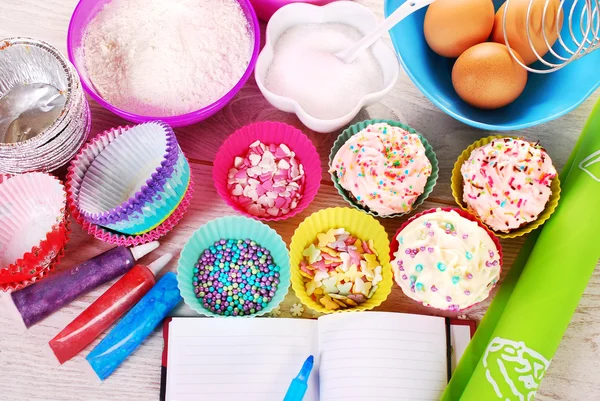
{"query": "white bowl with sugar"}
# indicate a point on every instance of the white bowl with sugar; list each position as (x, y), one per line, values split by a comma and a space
(297, 71)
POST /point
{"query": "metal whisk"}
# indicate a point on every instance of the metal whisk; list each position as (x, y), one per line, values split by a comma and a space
(580, 33)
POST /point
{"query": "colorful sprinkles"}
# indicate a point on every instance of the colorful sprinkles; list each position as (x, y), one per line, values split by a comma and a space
(340, 271)
(268, 181)
(235, 277)
(507, 182)
(452, 267)
(383, 167)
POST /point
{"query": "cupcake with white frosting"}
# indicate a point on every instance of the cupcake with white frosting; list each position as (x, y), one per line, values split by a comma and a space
(445, 260)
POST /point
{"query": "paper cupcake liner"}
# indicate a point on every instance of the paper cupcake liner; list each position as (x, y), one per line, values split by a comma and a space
(355, 129)
(111, 237)
(37, 197)
(161, 206)
(76, 173)
(457, 192)
(359, 225)
(237, 144)
(37, 261)
(232, 227)
(41, 272)
(463, 213)
(129, 150)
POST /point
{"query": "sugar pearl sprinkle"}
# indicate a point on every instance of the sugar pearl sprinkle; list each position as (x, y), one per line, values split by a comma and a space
(446, 261)
(384, 168)
(507, 182)
(268, 181)
(339, 270)
(235, 277)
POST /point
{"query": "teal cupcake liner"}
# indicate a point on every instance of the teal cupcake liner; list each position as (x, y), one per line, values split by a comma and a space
(355, 129)
(232, 227)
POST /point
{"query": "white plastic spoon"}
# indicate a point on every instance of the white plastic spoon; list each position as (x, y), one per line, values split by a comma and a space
(406, 9)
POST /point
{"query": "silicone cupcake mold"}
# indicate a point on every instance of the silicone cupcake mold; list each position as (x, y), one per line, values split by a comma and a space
(459, 277)
(358, 127)
(232, 227)
(359, 225)
(269, 133)
(457, 192)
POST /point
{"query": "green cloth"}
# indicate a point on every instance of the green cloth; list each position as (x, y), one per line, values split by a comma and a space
(524, 325)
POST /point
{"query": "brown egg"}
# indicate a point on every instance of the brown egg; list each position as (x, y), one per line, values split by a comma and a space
(452, 26)
(486, 76)
(516, 26)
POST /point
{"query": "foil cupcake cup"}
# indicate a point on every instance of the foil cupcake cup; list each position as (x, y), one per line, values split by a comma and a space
(33, 225)
(32, 69)
(76, 172)
(361, 226)
(394, 245)
(457, 192)
(232, 227)
(237, 145)
(128, 172)
(355, 129)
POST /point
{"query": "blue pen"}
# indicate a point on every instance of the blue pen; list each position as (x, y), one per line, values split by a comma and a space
(300, 383)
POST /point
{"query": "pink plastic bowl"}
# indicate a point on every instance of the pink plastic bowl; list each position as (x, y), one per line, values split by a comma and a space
(266, 8)
(86, 10)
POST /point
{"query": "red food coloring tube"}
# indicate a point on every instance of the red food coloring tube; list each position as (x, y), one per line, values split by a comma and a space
(109, 307)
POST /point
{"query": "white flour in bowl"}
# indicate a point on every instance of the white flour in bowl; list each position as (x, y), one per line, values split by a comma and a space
(167, 57)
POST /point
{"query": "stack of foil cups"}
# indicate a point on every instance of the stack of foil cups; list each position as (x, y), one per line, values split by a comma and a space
(44, 115)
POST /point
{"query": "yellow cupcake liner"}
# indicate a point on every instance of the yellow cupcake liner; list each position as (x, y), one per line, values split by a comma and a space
(360, 225)
(457, 192)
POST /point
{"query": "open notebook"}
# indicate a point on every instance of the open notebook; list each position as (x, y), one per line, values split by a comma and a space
(374, 356)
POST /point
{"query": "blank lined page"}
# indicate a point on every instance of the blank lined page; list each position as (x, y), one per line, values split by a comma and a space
(461, 336)
(380, 356)
(238, 359)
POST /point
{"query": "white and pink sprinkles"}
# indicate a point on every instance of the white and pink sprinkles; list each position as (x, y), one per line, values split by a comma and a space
(268, 181)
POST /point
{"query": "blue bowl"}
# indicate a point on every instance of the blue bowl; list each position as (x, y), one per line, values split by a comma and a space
(546, 96)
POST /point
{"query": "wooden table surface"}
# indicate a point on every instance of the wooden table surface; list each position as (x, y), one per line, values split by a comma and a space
(28, 372)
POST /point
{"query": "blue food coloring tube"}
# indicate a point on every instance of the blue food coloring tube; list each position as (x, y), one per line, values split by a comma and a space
(133, 329)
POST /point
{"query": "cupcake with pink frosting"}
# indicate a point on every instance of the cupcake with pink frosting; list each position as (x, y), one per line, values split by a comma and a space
(383, 167)
(507, 183)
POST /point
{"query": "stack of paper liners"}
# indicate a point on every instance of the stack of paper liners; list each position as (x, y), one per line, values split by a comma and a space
(525, 323)
(34, 227)
(168, 219)
(136, 181)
